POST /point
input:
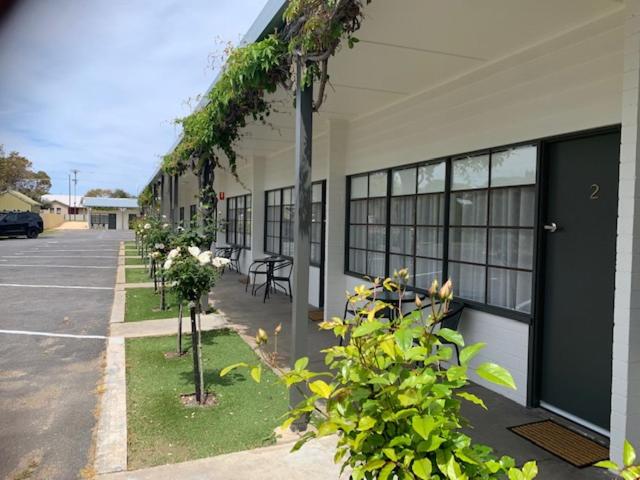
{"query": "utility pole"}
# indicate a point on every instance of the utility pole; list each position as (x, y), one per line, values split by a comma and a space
(69, 204)
(75, 192)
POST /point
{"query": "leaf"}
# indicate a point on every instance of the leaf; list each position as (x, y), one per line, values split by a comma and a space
(423, 425)
(608, 464)
(530, 470)
(451, 336)
(422, 468)
(472, 398)
(386, 471)
(301, 364)
(404, 338)
(327, 428)
(628, 454)
(390, 453)
(319, 387)
(366, 423)
(495, 374)
(388, 347)
(515, 474)
(226, 370)
(366, 328)
(467, 353)
(373, 465)
(400, 440)
(256, 373)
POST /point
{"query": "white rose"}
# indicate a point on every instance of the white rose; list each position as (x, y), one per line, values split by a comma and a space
(147, 226)
(174, 253)
(166, 225)
(155, 254)
(205, 257)
(159, 246)
(168, 263)
(220, 262)
(194, 251)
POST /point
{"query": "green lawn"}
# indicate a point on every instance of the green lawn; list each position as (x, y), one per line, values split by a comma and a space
(130, 243)
(134, 261)
(161, 430)
(136, 275)
(144, 304)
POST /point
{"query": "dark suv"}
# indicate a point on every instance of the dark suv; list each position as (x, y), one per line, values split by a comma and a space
(20, 223)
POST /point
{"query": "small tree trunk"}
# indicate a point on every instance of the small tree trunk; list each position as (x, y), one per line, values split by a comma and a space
(163, 302)
(179, 351)
(197, 357)
(155, 276)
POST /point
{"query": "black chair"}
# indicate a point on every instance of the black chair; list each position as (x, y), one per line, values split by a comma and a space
(451, 320)
(258, 267)
(223, 252)
(282, 276)
(351, 310)
(234, 258)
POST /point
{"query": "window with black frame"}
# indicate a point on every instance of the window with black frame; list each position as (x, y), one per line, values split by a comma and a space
(181, 216)
(368, 224)
(490, 219)
(279, 222)
(193, 219)
(239, 221)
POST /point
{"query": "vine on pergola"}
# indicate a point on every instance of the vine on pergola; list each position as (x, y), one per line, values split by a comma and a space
(313, 32)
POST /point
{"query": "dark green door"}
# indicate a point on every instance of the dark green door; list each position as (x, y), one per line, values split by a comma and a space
(112, 221)
(579, 267)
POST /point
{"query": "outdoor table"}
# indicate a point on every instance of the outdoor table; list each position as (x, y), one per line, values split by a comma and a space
(270, 262)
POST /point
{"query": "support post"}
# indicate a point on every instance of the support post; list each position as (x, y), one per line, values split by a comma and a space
(302, 224)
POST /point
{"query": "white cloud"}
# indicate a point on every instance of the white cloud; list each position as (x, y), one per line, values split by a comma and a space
(96, 85)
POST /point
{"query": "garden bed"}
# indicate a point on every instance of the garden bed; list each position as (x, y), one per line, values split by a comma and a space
(136, 275)
(162, 430)
(144, 304)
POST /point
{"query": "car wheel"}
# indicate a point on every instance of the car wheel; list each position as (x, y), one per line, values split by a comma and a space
(32, 233)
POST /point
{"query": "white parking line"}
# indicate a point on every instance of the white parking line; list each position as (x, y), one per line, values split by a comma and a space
(104, 250)
(52, 266)
(47, 334)
(77, 287)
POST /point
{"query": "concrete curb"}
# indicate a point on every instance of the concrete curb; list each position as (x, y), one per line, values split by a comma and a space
(138, 285)
(117, 309)
(165, 326)
(111, 434)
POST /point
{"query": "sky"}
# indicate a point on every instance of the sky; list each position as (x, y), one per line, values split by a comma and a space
(95, 85)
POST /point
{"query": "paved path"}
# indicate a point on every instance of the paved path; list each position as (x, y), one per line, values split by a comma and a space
(56, 293)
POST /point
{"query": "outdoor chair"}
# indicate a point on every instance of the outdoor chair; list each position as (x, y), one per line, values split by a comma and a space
(451, 320)
(282, 277)
(351, 311)
(258, 267)
(223, 252)
(234, 258)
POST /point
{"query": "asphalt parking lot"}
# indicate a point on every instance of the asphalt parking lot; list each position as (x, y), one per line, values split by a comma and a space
(55, 300)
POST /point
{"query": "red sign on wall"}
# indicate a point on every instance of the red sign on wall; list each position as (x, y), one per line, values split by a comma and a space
(221, 195)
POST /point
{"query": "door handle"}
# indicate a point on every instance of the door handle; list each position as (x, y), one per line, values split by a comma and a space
(552, 227)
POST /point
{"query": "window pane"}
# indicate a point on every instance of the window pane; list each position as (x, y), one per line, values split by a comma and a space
(431, 178)
(403, 182)
(516, 166)
(358, 236)
(468, 244)
(401, 240)
(375, 264)
(513, 207)
(316, 232)
(402, 210)
(471, 172)
(240, 202)
(396, 262)
(359, 186)
(378, 184)
(469, 208)
(358, 211)
(510, 289)
(511, 248)
(357, 261)
(468, 281)
(316, 192)
(430, 209)
(315, 253)
(426, 271)
(376, 239)
(378, 211)
(429, 242)
(316, 212)
(287, 196)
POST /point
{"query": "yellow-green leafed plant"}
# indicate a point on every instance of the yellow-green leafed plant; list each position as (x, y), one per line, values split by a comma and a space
(629, 471)
(391, 396)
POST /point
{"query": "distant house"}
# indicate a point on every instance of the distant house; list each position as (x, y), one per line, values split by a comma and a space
(67, 205)
(14, 200)
(111, 213)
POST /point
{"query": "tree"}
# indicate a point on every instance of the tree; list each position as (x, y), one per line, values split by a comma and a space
(16, 173)
(106, 192)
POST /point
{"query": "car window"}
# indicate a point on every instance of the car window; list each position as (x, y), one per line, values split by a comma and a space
(2, 216)
(12, 217)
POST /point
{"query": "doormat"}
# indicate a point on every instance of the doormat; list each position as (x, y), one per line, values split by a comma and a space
(316, 315)
(570, 446)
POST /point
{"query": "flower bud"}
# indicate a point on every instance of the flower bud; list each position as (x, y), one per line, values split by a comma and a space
(418, 301)
(261, 337)
(434, 287)
(278, 329)
(446, 290)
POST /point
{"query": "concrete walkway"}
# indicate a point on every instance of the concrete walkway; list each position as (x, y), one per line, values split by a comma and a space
(165, 326)
(314, 461)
